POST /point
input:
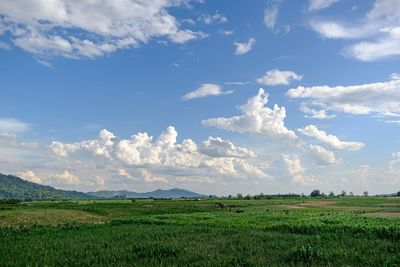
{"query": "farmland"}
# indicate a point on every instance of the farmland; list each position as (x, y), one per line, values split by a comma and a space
(297, 231)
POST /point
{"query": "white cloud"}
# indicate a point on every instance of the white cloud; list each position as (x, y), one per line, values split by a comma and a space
(123, 172)
(382, 98)
(330, 140)
(320, 4)
(335, 30)
(258, 120)
(243, 48)
(293, 164)
(295, 169)
(371, 51)
(394, 164)
(148, 177)
(226, 32)
(394, 121)
(10, 139)
(88, 29)
(66, 178)
(10, 125)
(99, 180)
(315, 114)
(270, 16)
(163, 156)
(217, 17)
(304, 180)
(5, 46)
(206, 89)
(277, 77)
(380, 29)
(216, 147)
(30, 176)
(322, 156)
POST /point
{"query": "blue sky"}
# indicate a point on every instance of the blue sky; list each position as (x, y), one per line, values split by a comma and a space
(86, 84)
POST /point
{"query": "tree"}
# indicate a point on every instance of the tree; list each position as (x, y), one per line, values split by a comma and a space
(343, 194)
(239, 195)
(351, 194)
(365, 193)
(331, 194)
(398, 194)
(315, 193)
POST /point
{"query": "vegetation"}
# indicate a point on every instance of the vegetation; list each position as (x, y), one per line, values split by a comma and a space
(14, 187)
(151, 232)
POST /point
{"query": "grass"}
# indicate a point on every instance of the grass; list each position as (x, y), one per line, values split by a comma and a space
(196, 233)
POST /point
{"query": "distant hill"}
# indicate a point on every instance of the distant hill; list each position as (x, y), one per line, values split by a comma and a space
(172, 193)
(15, 187)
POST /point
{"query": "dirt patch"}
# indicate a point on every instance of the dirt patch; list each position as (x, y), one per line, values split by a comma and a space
(390, 204)
(316, 202)
(383, 214)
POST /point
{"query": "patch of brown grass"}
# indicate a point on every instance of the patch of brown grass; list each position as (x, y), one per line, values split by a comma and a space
(50, 217)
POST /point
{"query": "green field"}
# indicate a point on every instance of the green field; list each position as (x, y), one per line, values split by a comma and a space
(331, 231)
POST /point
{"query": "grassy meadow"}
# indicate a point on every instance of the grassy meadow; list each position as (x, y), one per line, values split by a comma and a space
(351, 231)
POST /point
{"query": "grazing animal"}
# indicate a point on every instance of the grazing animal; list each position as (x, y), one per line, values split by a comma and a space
(286, 211)
(239, 211)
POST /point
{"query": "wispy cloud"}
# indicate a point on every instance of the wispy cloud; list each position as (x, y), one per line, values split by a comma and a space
(315, 5)
(206, 89)
(10, 125)
(243, 48)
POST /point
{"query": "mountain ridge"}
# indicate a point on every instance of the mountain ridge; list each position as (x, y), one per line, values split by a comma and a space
(14, 187)
(158, 193)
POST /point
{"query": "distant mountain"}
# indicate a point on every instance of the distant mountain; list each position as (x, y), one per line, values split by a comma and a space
(15, 187)
(172, 193)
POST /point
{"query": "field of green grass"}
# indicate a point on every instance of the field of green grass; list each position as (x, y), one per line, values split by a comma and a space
(351, 231)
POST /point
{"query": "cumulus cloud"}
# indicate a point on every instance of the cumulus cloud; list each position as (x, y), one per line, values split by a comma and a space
(277, 77)
(88, 29)
(380, 98)
(66, 178)
(293, 164)
(329, 140)
(30, 176)
(295, 169)
(304, 180)
(322, 156)
(378, 32)
(206, 89)
(243, 48)
(163, 155)
(10, 125)
(320, 4)
(258, 120)
(216, 147)
(149, 178)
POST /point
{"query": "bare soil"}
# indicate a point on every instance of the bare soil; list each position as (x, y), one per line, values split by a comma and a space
(317, 202)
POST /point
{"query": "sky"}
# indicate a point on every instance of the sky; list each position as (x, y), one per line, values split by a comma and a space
(214, 96)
